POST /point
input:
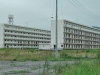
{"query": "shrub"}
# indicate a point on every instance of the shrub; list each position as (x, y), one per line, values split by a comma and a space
(77, 51)
(87, 51)
(63, 55)
(98, 55)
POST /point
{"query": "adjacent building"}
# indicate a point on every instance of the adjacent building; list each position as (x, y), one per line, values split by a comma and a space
(12, 36)
(72, 35)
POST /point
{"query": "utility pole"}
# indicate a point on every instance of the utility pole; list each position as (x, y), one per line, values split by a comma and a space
(56, 51)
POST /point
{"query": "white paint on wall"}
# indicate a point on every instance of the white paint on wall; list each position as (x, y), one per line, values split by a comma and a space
(1, 36)
(60, 34)
(12, 36)
(44, 46)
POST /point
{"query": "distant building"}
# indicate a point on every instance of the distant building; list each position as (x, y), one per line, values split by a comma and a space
(12, 36)
(96, 27)
(72, 35)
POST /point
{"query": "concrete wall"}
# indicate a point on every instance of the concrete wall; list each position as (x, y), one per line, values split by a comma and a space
(1, 36)
(24, 37)
(44, 46)
(60, 33)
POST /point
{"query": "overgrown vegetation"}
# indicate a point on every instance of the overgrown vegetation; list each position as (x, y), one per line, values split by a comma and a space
(36, 55)
(17, 72)
(83, 68)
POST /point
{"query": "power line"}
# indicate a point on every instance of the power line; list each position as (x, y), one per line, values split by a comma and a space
(61, 9)
(53, 9)
(86, 9)
(87, 12)
(83, 11)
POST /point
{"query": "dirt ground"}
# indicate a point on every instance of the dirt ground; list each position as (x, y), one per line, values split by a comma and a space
(28, 67)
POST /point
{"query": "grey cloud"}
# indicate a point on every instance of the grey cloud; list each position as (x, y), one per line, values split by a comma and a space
(28, 10)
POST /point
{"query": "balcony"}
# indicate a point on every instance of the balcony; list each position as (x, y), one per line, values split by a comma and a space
(29, 35)
(28, 31)
(29, 39)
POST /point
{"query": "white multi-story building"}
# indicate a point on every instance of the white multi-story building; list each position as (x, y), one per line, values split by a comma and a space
(12, 36)
(72, 35)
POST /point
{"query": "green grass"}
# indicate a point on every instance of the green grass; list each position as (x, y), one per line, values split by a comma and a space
(36, 55)
(83, 68)
(17, 72)
(24, 55)
(13, 65)
(86, 66)
(33, 68)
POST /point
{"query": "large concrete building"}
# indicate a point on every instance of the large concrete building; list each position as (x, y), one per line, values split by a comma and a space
(72, 35)
(12, 36)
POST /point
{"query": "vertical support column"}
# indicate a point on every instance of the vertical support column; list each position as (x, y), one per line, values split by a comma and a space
(56, 52)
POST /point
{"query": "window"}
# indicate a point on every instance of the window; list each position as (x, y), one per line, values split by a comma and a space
(61, 45)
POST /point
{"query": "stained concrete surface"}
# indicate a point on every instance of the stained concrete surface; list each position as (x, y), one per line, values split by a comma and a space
(28, 67)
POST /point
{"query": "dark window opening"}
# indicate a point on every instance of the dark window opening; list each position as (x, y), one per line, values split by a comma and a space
(61, 45)
(54, 46)
(7, 46)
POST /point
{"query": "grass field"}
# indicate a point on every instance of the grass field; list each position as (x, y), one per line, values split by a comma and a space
(35, 55)
(82, 68)
(88, 60)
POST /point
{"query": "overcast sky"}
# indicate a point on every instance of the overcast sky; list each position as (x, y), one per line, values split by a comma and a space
(38, 13)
